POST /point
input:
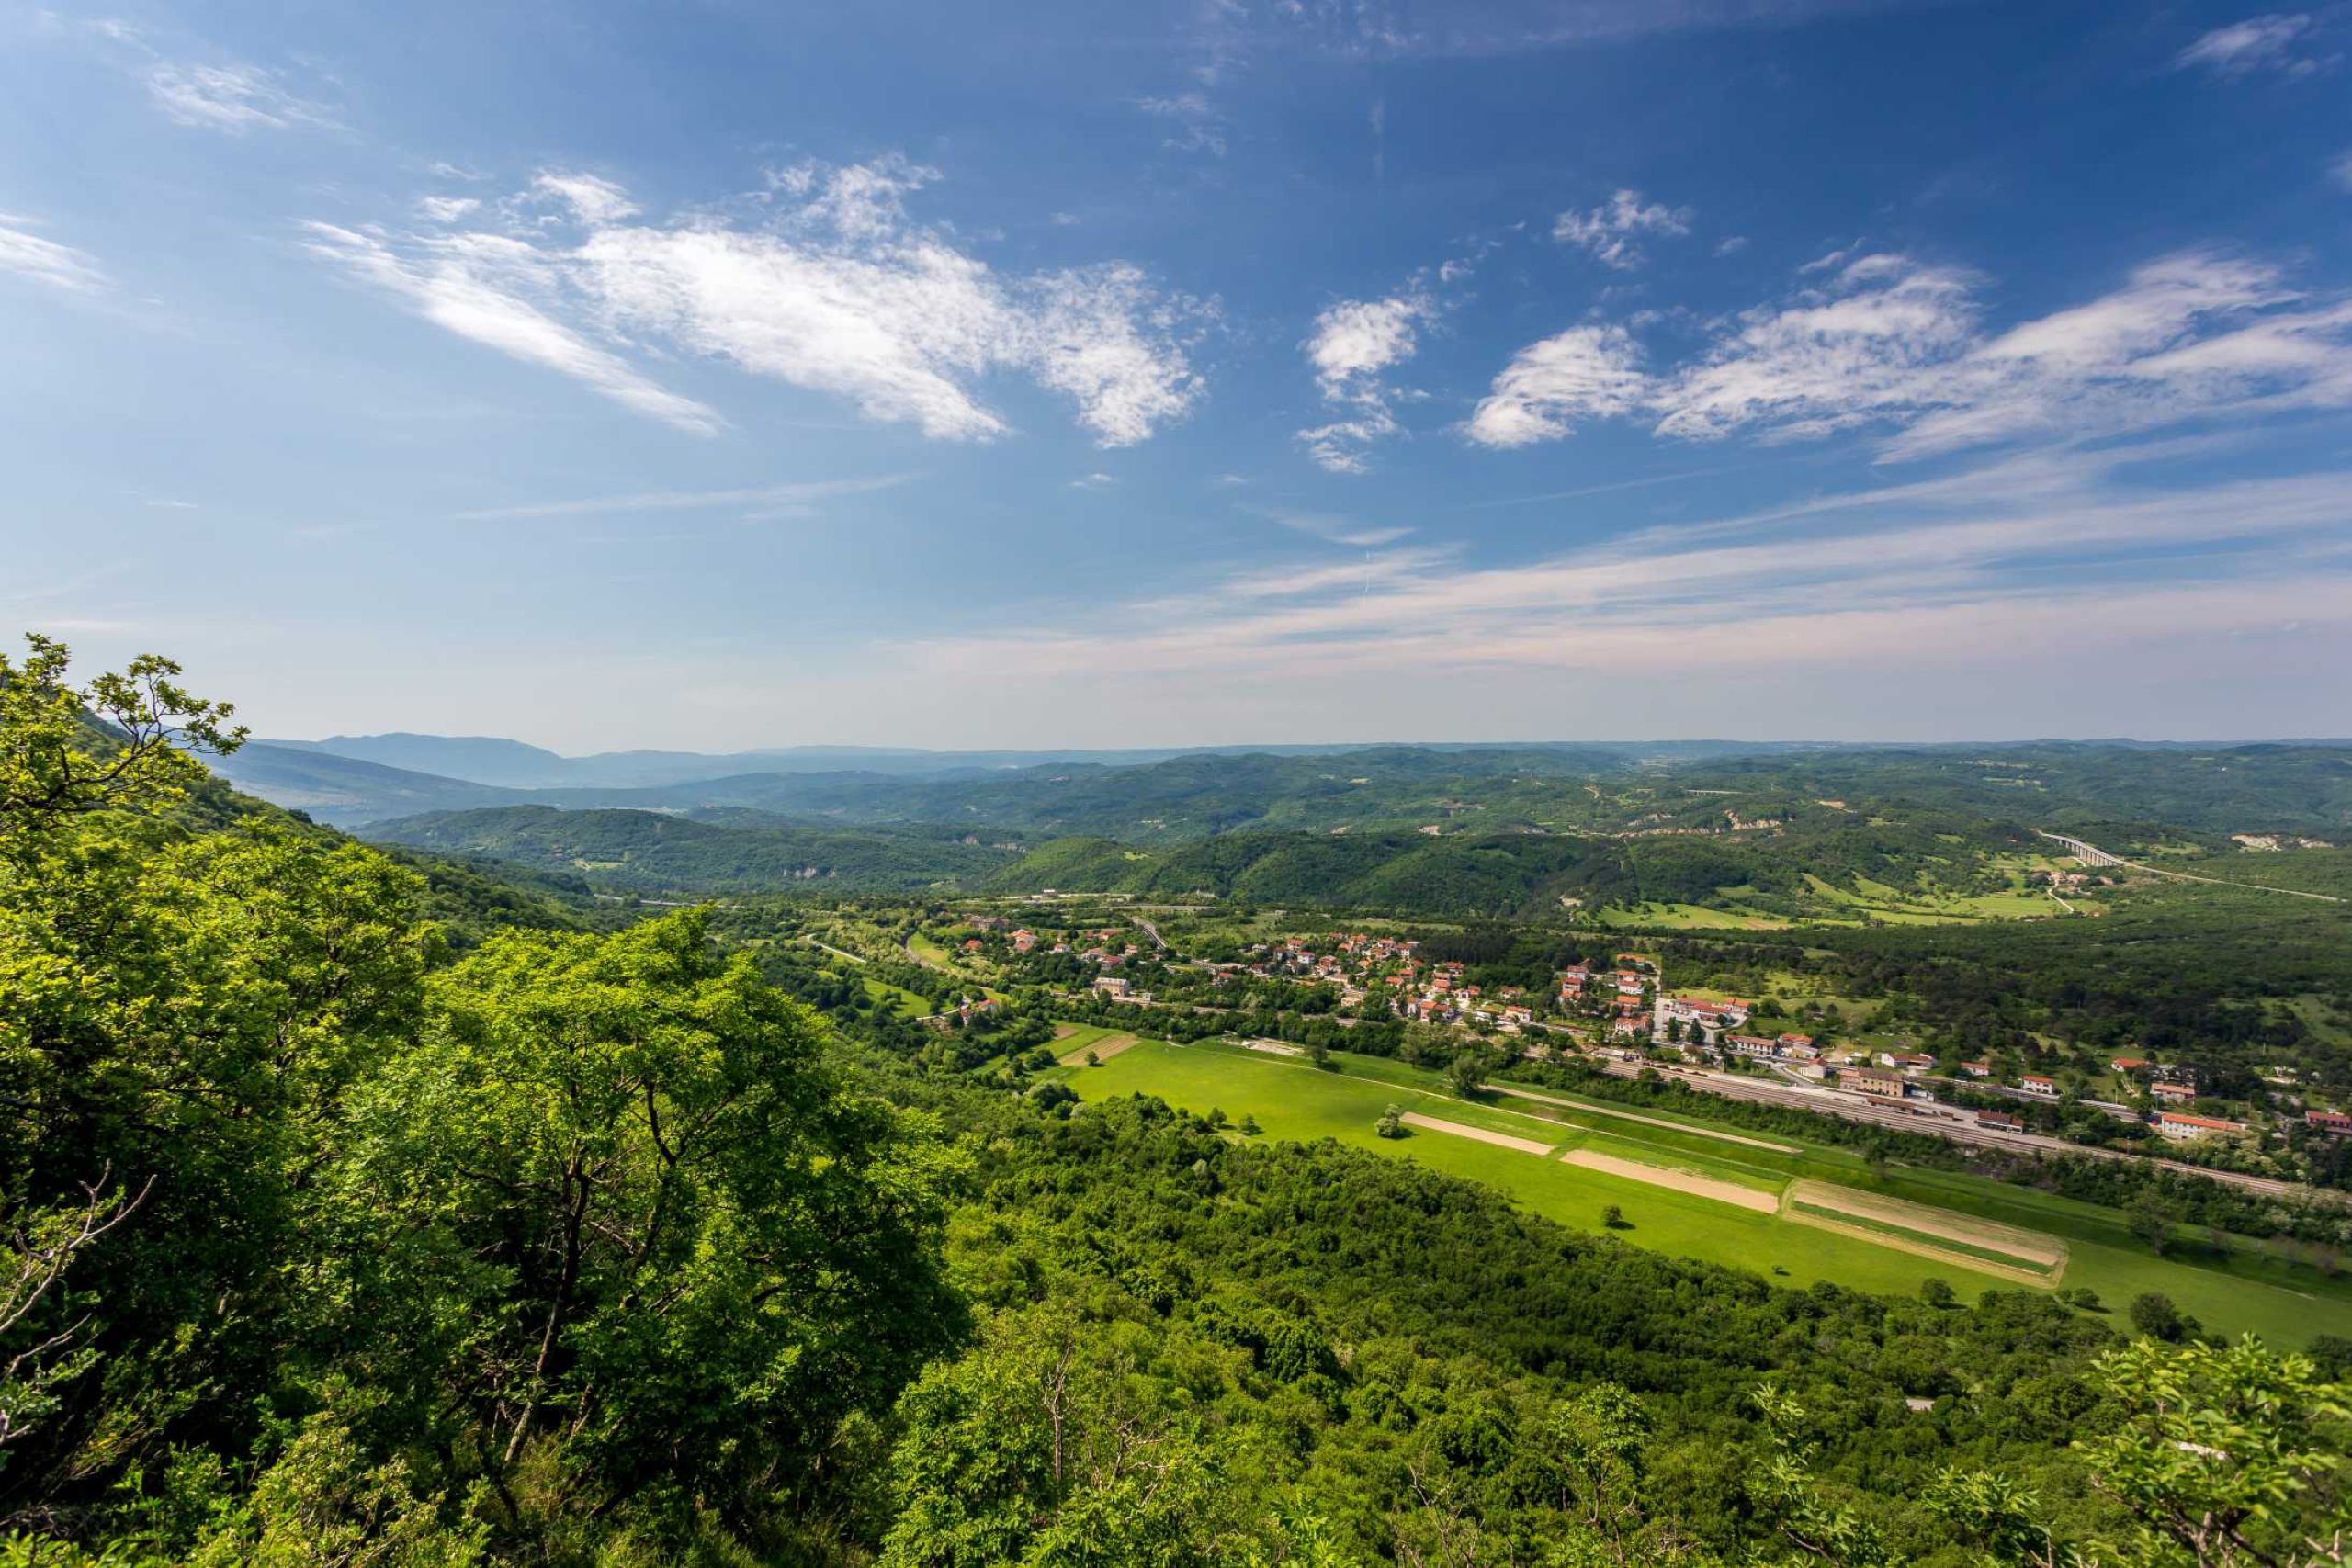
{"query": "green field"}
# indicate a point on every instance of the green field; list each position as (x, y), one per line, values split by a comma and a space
(1825, 903)
(2242, 1289)
(1688, 917)
(907, 1003)
(1071, 1040)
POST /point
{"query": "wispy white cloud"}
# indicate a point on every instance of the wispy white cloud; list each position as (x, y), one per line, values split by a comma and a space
(446, 209)
(1353, 346)
(1587, 372)
(590, 199)
(1380, 29)
(1829, 360)
(502, 293)
(45, 261)
(1330, 527)
(1613, 232)
(822, 282)
(201, 87)
(2023, 558)
(232, 97)
(1887, 342)
(2276, 42)
(1196, 124)
(798, 491)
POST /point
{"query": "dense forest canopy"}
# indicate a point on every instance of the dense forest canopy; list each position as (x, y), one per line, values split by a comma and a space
(2300, 788)
(364, 1209)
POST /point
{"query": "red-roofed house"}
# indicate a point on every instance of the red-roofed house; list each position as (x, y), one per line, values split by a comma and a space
(2174, 1125)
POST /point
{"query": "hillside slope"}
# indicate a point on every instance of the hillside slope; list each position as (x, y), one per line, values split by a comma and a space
(646, 851)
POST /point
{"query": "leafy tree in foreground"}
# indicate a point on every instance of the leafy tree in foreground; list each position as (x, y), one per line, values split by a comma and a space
(629, 1212)
(2226, 1456)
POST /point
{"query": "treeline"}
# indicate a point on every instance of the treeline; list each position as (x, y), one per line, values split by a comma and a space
(333, 1245)
(327, 1246)
(2200, 980)
(650, 851)
(2185, 1200)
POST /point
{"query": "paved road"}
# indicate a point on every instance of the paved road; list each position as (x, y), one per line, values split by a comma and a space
(1952, 1127)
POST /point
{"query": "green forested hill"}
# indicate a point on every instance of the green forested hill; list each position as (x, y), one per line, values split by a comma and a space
(2298, 789)
(333, 1241)
(649, 852)
(2282, 787)
(1524, 872)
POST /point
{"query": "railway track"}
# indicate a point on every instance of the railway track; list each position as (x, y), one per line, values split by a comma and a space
(1852, 1108)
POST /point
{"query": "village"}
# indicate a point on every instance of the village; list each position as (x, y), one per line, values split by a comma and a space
(1622, 1012)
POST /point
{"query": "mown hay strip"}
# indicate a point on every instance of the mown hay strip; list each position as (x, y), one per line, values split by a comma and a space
(1580, 1108)
(1921, 1247)
(2034, 1247)
(1678, 1180)
(1104, 1049)
(1463, 1130)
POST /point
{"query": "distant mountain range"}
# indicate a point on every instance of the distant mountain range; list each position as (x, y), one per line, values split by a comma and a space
(515, 764)
(1152, 798)
(354, 780)
(1436, 829)
(645, 851)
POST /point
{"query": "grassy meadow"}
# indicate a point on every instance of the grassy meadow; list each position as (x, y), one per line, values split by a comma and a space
(2232, 1285)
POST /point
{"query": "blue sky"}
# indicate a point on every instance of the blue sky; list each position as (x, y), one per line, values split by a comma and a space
(723, 375)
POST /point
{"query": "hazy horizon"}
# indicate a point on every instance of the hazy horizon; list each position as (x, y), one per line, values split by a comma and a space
(1307, 745)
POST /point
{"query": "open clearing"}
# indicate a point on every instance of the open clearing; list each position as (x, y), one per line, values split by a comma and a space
(1687, 917)
(1104, 1047)
(1951, 1252)
(2030, 1248)
(1500, 1140)
(1678, 1180)
(1587, 1108)
(2233, 1289)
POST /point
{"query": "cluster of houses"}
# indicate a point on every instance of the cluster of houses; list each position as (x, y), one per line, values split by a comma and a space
(1625, 989)
(1110, 947)
(1708, 1017)
(2170, 1119)
(1416, 988)
(960, 1016)
(1439, 992)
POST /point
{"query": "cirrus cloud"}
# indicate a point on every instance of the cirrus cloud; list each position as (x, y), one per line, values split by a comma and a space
(1886, 341)
(45, 261)
(822, 282)
(1355, 343)
(1586, 372)
(1611, 231)
(2270, 42)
